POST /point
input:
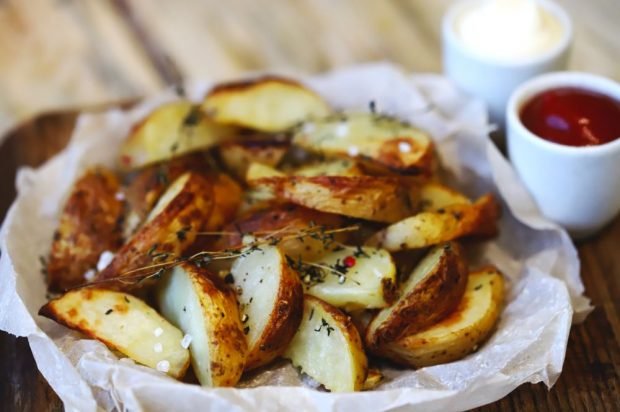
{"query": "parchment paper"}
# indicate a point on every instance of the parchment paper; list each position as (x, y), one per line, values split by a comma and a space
(541, 265)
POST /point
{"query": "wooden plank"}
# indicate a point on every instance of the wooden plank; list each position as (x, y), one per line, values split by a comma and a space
(68, 53)
(590, 380)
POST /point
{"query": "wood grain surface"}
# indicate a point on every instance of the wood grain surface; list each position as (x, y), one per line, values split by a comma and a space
(71, 53)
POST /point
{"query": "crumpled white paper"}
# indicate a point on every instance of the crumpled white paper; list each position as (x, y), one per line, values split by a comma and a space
(541, 265)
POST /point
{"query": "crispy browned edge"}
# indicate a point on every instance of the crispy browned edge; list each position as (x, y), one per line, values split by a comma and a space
(90, 223)
(279, 217)
(50, 312)
(431, 300)
(238, 154)
(350, 330)
(191, 209)
(283, 321)
(151, 182)
(347, 195)
(454, 316)
(245, 84)
(227, 334)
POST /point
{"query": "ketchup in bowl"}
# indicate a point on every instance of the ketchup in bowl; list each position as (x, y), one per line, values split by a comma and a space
(573, 116)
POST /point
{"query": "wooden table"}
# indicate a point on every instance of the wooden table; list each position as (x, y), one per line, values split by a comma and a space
(95, 52)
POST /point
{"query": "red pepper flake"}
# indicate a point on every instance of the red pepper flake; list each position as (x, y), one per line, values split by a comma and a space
(349, 261)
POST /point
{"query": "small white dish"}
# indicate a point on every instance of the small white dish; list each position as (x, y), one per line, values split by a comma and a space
(493, 79)
(576, 187)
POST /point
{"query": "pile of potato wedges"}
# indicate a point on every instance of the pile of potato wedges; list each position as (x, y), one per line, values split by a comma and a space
(261, 224)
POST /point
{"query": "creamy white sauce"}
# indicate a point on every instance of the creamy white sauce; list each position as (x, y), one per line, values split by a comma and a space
(509, 30)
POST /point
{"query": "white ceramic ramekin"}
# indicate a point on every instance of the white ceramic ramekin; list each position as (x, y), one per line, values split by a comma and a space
(491, 79)
(576, 187)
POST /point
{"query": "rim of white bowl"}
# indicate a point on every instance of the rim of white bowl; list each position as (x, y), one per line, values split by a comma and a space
(539, 84)
(449, 33)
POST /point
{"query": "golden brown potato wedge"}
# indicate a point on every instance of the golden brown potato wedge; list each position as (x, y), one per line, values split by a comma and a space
(351, 278)
(434, 196)
(376, 139)
(461, 332)
(431, 292)
(151, 182)
(207, 313)
(334, 167)
(328, 348)
(270, 300)
(238, 155)
(258, 171)
(269, 104)
(380, 199)
(171, 130)
(169, 230)
(124, 323)
(373, 379)
(444, 224)
(90, 223)
(282, 221)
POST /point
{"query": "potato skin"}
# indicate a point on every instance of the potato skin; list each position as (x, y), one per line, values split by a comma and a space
(431, 300)
(459, 333)
(283, 322)
(292, 218)
(228, 348)
(151, 182)
(381, 199)
(167, 235)
(90, 223)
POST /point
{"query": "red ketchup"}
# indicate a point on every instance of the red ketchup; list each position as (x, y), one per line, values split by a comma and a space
(573, 116)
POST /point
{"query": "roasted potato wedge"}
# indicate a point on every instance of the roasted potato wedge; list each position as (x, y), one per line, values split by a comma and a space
(373, 379)
(150, 183)
(171, 130)
(431, 292)
(442, 225)
(334, 167)
(434, 196)
(287, 220)
(207, 312)
(171, 227)
(376, 139)
(269, 104)
(238, 155)
(351, 278)
(328, 348)
(124, 323)
(270, 300)
(90, 223)
(461, 332)
(228, 196)
(380, 199)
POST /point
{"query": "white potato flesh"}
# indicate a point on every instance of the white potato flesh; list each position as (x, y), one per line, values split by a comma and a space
(210, 318)
(327, 347)
(369, 283)
(257, 276)
(337, 167)
(259, 171)
(124, 323)
(173, 191)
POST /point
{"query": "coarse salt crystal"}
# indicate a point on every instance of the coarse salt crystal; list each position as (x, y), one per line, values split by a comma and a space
(104, 260)
(158, 332)
(353, 151)
(120, 196)
(186, 341)
(163, 366)
(404, 147)
(158, 347)
(342, 129)
(90, 274)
